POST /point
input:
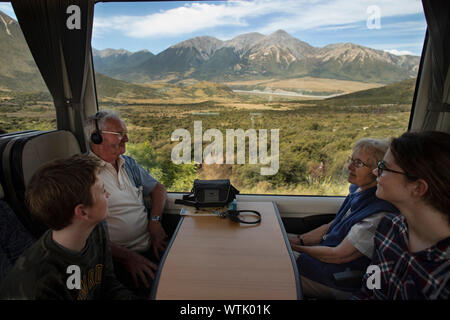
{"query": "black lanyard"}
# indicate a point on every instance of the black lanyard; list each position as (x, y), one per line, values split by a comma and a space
(234, 216)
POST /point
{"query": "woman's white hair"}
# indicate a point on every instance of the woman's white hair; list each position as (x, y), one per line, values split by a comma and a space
(102, 117)
(376, 147)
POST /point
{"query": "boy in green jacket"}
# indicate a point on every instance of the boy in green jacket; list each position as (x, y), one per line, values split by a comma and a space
(72, 260)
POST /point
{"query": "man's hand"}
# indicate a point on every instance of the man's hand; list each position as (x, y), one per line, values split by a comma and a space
(158, 237)
(157, 234)
(139, 266)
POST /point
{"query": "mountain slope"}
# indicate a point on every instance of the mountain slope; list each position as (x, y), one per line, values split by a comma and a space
(244, 42)
(112, 88)
(108, 88)
(110, 59)
(348, 61)
(18, 70)
(401, 92)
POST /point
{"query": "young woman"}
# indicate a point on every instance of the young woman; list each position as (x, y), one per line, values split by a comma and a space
(412, 250)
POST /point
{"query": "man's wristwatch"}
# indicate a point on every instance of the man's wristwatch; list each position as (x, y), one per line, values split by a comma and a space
(301, 240)
(155, 218)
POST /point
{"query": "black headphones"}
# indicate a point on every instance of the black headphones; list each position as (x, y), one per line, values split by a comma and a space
(96, 137)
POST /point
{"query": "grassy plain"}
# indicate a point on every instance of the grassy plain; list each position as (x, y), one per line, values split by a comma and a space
(315, 136)
(306, 84)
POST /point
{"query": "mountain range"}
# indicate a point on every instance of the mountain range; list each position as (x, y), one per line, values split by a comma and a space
(255, 56)
(245, 57)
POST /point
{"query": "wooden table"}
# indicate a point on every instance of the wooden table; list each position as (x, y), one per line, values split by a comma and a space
(210, 258)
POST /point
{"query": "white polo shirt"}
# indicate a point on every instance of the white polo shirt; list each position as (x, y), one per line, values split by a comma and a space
(127, 221)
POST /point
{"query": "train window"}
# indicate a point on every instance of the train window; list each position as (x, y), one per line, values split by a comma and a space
(25, 102)
(269, 94)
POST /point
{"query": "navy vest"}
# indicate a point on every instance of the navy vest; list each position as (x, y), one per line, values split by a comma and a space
(362, 205)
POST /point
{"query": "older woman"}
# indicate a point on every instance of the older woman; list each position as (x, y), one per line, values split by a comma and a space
(412, 250)
(346, 243)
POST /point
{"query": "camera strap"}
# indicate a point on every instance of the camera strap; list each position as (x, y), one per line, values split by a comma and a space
(234, 215)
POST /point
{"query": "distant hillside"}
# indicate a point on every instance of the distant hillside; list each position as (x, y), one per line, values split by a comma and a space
(112, 88)
(121, 90)
(18, 70)
(256, 56)
(117, 60)
(397, 93)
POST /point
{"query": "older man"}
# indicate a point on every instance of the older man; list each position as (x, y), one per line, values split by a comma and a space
(136, 233)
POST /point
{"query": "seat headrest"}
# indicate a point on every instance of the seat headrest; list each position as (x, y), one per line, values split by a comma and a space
(2, 194)
(46, 147)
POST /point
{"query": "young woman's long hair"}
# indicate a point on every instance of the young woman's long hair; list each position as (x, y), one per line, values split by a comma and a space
(426, 155)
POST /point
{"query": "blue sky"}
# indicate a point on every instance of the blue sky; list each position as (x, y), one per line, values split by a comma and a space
(395, 26)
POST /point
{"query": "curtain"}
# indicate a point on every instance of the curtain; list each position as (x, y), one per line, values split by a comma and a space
(437, 14)
(62, 52)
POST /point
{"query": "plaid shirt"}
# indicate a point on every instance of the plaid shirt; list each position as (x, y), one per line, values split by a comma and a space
(405, 275)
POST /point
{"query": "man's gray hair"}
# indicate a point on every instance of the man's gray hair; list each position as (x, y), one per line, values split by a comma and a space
(377, 147)
(102, 117)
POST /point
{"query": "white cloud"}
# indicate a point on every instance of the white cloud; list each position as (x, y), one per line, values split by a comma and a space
(339, 12)
(292, 15)
(186, 19)
(400, 52)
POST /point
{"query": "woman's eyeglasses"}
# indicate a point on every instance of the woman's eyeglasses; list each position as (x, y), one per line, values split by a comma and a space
(357, 163)
(382, 167)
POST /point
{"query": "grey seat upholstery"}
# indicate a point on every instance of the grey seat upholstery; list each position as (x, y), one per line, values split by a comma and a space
(21, 158)
(14, 238)
(4, 140)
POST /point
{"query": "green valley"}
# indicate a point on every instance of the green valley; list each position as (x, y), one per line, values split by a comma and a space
(315, 137)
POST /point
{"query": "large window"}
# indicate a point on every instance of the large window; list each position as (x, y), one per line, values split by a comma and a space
(270, 94)
(25, 103)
